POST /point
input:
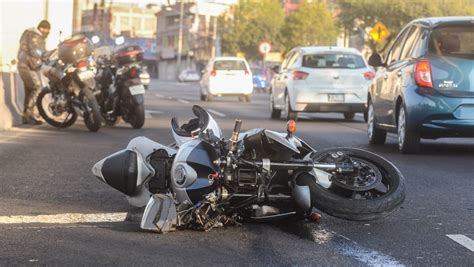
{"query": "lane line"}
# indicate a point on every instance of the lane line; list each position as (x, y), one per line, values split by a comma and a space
(183, 101)
(216, 113)
(66, 218)
(463, 241)
(160, 96)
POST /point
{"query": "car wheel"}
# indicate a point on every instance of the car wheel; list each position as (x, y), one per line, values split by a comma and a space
(275, 113)
(349, 115)
(203, 97)
(366, 116)
(290, 115)
(408, 141)
(376, 136)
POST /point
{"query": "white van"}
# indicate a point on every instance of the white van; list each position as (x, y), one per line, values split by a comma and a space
(227, 76)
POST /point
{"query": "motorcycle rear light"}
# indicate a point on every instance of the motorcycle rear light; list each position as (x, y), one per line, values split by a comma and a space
(133, 72)
(423, 74)
(299, 75)
(369, 75)
(213, 73)
(82, 65)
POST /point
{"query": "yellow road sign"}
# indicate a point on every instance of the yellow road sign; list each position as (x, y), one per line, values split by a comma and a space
(379, 32)
(273, 57)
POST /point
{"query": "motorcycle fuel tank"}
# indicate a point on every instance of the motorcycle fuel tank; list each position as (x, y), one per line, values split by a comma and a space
(191, 170)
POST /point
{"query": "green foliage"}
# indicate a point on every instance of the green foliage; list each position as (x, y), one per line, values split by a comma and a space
(397, 13)
(253, 21)
(311, 24)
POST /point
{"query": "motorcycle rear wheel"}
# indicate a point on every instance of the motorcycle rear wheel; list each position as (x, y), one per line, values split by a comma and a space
(92, 116)
(137, 118)
(61, 121)
(358, 205)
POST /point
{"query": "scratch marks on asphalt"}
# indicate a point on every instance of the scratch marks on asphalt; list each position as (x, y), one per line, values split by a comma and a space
(463, 241)
(350, 248)
(216, 113)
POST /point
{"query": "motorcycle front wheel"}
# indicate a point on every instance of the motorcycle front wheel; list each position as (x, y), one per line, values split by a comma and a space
(55, 110)
(372, 192)
(92, 116)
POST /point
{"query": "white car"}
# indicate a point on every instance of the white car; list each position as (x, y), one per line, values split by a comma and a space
(227, 76)
(321, 79)
(189, 75)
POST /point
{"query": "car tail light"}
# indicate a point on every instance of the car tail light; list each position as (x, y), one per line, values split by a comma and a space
(133, 72)
(82, 65)
(246, 72)
(213, 73)
(299, 75)
(423, 74)
(369, 75)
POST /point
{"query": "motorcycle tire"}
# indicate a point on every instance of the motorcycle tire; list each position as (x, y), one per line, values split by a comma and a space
(333, 203)
(137, 118)
(70, 118)
(92, 117)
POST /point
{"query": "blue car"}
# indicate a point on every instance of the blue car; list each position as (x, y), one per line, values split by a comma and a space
(259, 80)
(425, 86)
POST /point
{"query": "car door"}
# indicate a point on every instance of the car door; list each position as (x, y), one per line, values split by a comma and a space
(384, 98)
(279, 90)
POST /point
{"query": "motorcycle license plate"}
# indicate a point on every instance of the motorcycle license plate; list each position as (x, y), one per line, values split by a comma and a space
(137, 89)
(85, 75)
(336, 97)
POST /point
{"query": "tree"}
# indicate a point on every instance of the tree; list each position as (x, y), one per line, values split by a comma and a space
(251, 22)
(311, 24)
(396, 14)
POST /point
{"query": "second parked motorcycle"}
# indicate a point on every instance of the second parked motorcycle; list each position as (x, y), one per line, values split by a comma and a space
(71, 90)
(121, 89)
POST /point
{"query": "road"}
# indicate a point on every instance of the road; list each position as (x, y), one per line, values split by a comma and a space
(54, 212)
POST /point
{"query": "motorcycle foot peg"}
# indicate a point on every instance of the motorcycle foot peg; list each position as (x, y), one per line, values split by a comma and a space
(315, 217)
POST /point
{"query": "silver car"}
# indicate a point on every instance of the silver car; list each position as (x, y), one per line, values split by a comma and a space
(321, 79)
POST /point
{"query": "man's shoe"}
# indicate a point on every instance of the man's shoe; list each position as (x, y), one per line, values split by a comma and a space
(31, 120)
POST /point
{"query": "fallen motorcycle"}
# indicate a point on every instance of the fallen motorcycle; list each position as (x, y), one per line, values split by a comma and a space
(205, 181)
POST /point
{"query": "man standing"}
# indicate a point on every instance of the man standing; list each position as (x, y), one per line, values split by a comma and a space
(32, 47)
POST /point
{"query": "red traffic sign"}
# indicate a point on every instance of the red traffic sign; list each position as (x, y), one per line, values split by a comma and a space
(264, 47)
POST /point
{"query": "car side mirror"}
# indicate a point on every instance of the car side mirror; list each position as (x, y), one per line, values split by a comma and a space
(375, 60)
(276, 69)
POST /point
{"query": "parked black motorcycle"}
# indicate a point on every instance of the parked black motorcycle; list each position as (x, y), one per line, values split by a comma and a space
(207, 181)
(71, 89)
(121, 89)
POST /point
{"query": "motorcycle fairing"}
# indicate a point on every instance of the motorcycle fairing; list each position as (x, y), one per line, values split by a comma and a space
(137, 195)
(190, 171)
(291, 143)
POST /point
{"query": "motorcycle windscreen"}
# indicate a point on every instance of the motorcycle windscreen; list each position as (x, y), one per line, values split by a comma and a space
(121, 171)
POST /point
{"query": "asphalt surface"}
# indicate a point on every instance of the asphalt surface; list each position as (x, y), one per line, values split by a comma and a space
(46, 171)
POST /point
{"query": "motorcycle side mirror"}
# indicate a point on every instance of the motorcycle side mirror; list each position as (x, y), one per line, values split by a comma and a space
(276, 69)
(375, 60)
(95, 39)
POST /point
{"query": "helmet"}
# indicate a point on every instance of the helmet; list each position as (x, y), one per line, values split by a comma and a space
(202, 123)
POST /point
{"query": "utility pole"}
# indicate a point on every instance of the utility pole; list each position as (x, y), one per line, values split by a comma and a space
(180, 37)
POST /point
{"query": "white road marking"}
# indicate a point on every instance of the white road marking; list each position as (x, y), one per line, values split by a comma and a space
(350, 248)
(183, 101)
(463, 241)
(66, 218)
(216, 113)
(160, 96)
(149, 112)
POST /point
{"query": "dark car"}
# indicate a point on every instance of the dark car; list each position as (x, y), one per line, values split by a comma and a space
(425, 86)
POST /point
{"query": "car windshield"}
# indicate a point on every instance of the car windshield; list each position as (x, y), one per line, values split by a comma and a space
(230, 65)
(339, 61)
(453, 41)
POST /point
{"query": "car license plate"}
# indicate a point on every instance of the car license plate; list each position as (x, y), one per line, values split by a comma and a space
(85, 75)
(137, 89)
(336, 97)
